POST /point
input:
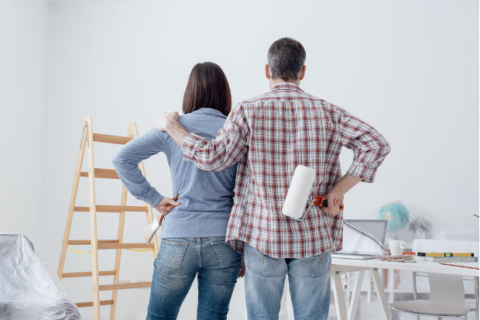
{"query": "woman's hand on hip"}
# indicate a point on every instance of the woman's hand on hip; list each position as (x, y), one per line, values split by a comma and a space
(166, 205)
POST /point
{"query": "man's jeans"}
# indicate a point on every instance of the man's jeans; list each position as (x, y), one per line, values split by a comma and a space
(309, 280)
(178, 262)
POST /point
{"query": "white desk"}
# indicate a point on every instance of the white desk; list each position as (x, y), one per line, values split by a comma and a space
(340, 266)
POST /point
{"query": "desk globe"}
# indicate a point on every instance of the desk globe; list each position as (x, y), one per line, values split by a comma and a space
(396, 214)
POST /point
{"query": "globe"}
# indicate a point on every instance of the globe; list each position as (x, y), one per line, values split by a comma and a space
(396, 214)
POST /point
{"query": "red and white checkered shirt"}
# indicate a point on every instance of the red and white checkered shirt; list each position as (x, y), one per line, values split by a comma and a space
(269, 136)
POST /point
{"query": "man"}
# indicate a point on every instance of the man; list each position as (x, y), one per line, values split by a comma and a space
(269, 136)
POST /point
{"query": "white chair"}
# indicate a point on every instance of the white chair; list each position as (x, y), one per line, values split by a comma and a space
(447, 293)
(422, 245)
(447, 299)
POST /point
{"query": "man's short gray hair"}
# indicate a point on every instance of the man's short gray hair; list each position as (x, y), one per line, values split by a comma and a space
(286, 58)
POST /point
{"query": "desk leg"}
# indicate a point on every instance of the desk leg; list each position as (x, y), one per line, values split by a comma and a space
(352, 312)
(477, 297)
(337, 288)
(371, 288)
(379, 289)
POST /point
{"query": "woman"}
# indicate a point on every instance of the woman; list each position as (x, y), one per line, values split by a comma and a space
(193, 235)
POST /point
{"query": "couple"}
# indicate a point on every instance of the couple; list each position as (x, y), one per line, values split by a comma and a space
(232, 169)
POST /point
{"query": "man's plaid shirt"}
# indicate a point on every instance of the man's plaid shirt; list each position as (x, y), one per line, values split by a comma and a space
(269, 136)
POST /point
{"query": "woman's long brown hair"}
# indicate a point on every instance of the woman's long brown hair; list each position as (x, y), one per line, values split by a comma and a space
(207, 87)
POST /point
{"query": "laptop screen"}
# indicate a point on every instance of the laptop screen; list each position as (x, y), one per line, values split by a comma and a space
(365, 236)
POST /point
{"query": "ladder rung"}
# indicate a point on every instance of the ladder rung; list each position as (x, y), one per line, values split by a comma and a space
(125, 246)
(107, 138)
(113, 209)
(119, 286)
(102, 173)
(90, 304)
(87, 274)
(80, 242)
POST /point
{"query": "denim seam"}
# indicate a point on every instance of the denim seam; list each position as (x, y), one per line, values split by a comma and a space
(199, 254)
(175, 243)
(218, 237)
(312, 274)
(261, 259)
(185, 244)
(217, 242)
(219, 258)
(320, 258)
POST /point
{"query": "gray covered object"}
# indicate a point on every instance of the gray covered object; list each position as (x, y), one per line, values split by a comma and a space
(29, 289)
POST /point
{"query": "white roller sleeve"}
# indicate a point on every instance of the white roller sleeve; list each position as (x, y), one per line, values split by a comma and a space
(297, 196)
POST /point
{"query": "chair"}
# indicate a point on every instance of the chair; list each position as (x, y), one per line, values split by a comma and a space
(447, 299)
(447, 293)
(422, 245)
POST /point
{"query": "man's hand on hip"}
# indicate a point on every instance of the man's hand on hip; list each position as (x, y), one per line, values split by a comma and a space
(165, 119)
(334, 199)
(335, 195)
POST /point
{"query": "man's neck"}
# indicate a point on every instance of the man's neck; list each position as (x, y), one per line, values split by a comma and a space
(274, 82)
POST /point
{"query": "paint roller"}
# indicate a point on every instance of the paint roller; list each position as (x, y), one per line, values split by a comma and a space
(298, 192)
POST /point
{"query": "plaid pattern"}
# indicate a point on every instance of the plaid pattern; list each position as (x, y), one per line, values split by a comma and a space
(269, 136)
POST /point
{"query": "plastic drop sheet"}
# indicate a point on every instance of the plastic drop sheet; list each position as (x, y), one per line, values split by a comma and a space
(29, 289)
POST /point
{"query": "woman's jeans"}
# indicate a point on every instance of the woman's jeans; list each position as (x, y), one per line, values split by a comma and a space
(179, 260)
(309, 280)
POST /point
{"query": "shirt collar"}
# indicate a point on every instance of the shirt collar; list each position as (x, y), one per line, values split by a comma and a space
(213, 112)
(286, 86)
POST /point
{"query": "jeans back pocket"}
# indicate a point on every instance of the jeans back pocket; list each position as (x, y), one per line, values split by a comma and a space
(228, 258)
(317, 265)
(170, 256)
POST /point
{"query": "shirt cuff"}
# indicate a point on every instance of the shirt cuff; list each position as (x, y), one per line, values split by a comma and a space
(153, 197)
(363, 172)
(190, 145)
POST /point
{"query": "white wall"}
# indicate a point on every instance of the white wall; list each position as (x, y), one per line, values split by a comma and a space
(23, 65)
(409, 68)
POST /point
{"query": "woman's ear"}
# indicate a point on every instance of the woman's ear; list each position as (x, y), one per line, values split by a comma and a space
(267, 71)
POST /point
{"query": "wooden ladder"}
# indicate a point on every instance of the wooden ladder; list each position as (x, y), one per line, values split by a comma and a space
(88, 137)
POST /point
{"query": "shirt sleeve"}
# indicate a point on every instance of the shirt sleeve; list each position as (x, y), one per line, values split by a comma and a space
(126, 162)
(337, 232)
(230, 145)
(369, 146)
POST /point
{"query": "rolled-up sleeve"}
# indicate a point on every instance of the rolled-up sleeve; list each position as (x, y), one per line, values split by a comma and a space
(230, 145)
(369, 146)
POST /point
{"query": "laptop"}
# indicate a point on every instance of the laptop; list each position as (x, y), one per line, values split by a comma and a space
(362, 239)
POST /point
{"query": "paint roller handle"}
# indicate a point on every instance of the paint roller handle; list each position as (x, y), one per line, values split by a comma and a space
(322, 202)
(325, 204)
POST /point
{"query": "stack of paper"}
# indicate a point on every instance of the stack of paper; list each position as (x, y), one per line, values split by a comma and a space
(401, 258)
